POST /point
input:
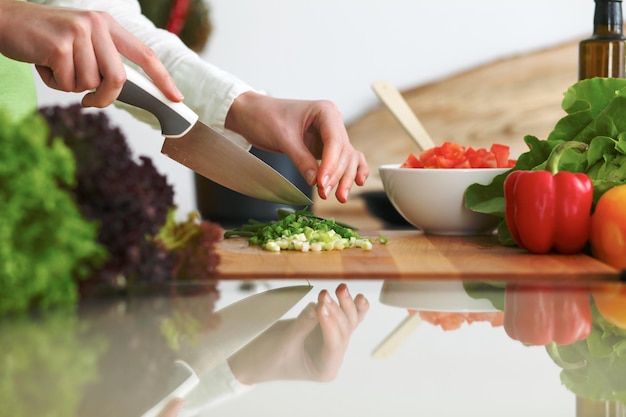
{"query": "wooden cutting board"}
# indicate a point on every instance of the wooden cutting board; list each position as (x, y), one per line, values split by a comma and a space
(410, 254)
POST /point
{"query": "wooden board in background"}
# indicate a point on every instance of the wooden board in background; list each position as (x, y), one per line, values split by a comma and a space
(502, 102)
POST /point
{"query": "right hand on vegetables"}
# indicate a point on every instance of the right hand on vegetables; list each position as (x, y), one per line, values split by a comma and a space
(304, 131)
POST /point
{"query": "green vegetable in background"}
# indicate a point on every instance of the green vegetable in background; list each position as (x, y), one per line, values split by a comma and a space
(596, 115)
(192, 242)
(595, 368)
(45, 242)
(46, 364)
(490, 290)
(125, 195)
(80, 215)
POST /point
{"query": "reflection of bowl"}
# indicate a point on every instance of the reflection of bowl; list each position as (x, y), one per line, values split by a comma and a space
(378, 205)
(433, 199)
(448, 296)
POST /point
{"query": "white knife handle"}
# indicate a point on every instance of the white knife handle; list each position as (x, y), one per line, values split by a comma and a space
(175, 119)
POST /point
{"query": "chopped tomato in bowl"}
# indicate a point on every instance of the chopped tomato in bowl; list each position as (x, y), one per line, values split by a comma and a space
(452, 155)
(433, 200)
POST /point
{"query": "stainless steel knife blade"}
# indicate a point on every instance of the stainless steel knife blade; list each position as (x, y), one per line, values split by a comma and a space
(207, 151)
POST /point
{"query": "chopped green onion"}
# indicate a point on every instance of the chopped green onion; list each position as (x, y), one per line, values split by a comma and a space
(302, 231)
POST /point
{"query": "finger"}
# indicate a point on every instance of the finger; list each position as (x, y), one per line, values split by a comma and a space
(363, 171)
(87, 74)
(305, 323)
(362, 306)
(332, 166)
(332, 321)
(47, 76)
(59, 74)
(347, 305)
(110, 69)
(139, 53)
(335, 343)
(347, 180)
(334, 137)
(356, 172)
(304, 161)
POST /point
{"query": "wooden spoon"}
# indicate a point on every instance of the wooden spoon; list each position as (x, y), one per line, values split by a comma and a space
(396, 104)
(397, 337)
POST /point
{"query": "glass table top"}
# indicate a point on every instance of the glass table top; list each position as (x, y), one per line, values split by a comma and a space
(269, 348)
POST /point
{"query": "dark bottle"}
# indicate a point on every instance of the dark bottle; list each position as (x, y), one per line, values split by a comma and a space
(603, 54)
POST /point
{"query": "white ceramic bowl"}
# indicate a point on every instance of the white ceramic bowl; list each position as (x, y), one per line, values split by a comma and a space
(433, 199)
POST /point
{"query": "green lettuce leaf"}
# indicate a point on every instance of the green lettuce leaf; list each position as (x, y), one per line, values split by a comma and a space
(595, 368)
(596, 115)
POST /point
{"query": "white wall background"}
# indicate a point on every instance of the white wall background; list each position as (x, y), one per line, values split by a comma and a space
(334, 49)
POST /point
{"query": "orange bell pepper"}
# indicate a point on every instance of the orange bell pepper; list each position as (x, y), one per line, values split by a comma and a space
(608, 228)
(610, 301)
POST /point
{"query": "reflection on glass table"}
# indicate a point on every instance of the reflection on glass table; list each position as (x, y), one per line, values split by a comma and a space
(472, 348)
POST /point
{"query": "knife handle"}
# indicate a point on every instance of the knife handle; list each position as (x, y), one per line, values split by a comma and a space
(175, 118)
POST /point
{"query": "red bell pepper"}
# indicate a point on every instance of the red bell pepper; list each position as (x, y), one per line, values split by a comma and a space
(549, 210)
(540, 314)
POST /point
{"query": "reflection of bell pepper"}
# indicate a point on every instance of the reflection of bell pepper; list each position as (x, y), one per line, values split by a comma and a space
(549, 210)
(610, 300)
(539, 314)
(608, 228)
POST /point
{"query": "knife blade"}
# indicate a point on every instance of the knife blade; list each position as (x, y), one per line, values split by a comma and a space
(207, 151)
(241, 322)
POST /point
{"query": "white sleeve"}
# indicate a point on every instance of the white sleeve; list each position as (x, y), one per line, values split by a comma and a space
(208, 90)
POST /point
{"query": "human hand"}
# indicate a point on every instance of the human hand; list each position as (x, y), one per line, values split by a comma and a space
(76, 50)
(305, 131)
(309, 347)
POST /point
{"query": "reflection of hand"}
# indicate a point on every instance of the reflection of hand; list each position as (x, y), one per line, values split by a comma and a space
(305, 131)
(309, 347)
(172, 408)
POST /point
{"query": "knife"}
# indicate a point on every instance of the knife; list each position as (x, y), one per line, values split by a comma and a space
(240, 323)
(207, 151)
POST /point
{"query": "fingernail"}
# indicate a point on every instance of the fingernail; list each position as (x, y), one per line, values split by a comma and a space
(328, 190)
(327, 299)
(325, 181)
(309, 176)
